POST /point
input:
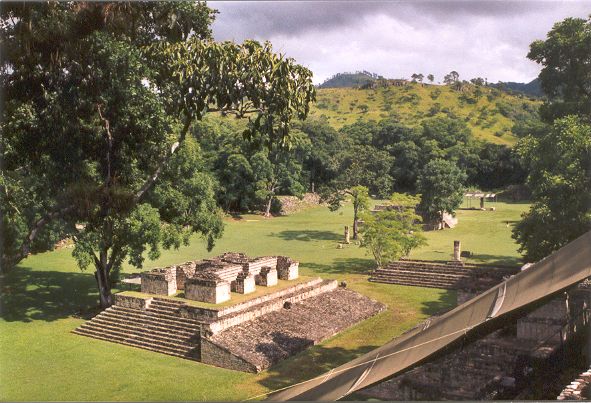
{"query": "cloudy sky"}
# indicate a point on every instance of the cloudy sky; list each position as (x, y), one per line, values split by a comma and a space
(397, 38)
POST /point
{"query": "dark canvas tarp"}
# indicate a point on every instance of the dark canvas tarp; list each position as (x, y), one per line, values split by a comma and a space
(566, 267)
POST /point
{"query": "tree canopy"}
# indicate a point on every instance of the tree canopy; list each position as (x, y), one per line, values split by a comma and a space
(100, 99)
(559, 155)
(565, 57)
(392, 233)
(560, 179)
(441, 185)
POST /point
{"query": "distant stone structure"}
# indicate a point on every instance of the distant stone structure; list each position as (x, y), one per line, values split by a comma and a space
(212, 280)
(428, 224)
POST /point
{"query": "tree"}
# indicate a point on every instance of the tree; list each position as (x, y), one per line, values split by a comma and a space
(566, 73)
(478, 81)
(441, 184)
(560, 179)
(359, 196)
(100, 98)
(417, 78)
(390, 234)
(431, 78)
(451, 78)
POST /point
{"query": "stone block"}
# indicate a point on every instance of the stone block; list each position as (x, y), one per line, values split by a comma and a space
(244, 284)
(267, 277)
(159, 281)
(206, 287)
(287, 269)
(183, 272)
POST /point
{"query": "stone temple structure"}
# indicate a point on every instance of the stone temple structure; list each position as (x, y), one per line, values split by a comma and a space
(248, 334)
(213, 280)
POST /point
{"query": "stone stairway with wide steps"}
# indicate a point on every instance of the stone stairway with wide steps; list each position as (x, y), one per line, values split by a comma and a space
(158, 328)
(447, 275)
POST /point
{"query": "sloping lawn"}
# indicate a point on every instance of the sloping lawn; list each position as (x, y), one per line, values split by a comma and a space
(47, 296)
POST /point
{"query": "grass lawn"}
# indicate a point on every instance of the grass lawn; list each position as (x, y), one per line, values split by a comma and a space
(48, 296)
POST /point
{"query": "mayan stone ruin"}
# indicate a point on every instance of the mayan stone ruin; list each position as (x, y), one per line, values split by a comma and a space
(213, 280)
(179, 311)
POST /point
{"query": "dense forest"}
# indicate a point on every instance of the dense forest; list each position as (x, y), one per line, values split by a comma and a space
(384, 156)
(380, 138)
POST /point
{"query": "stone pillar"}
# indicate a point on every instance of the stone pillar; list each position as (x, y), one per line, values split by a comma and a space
(457, 251)
(347, 240)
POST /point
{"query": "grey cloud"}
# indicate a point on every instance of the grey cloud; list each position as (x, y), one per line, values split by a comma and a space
(397, 38)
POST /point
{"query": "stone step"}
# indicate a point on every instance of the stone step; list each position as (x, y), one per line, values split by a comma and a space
(466, 273)
(99, 336)
(404, 276)
(164, 310)
(152, 320)
(139, 339)
(175, 319)
(141, 333)
(450, 276)
(174, 322)
(412, 283)
(167, 303)
(151, 328)
(159, 314)
(445, 268)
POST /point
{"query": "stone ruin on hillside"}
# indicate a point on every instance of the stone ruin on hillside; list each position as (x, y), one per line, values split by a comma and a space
(212, 280)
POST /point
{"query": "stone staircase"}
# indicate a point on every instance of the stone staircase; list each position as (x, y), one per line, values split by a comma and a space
(447, 275)
(158, 328)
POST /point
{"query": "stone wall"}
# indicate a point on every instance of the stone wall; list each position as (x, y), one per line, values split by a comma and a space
(273, 337)
(198, 313)
(494, 361)
(254, 266)
(293, 204)
(132, 302)
(274, 305)
(207, 287)
(218, 356)
(159, 281)
(579, 389)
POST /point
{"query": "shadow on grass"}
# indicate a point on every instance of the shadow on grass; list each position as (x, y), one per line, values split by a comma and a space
(446, 302)
(343, 266)
(29, 295)
(308, 235)
(492, 260)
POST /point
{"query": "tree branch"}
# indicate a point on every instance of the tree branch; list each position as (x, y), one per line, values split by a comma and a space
(154, 177)
(109, 143)
(33, 232)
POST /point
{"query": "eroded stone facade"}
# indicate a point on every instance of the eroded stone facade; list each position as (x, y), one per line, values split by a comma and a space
(159, 281)
(212, 280)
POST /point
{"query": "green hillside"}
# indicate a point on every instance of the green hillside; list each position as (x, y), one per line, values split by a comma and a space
(489, 112)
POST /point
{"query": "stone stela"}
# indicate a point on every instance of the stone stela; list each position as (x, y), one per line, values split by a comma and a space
(212, 280)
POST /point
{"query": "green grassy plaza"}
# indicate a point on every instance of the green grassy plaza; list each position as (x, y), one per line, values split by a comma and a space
(47, 296)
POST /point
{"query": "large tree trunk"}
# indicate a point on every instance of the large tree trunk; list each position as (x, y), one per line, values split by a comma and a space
(104, 287)
(103, 280)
